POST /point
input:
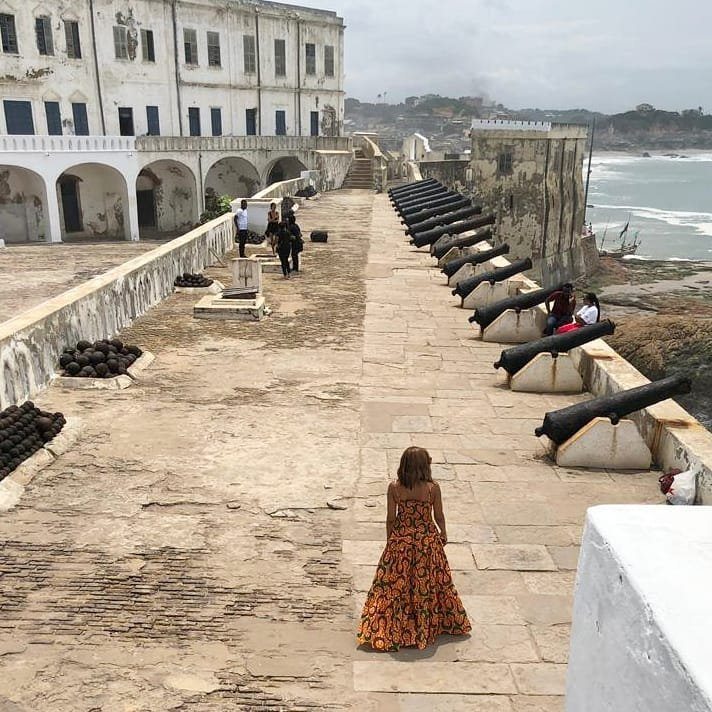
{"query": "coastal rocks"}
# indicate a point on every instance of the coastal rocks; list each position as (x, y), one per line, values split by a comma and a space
(23, 431)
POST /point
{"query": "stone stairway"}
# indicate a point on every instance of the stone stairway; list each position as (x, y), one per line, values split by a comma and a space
(360, 175)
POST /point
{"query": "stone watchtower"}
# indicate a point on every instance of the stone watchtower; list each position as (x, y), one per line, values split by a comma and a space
(530, 174)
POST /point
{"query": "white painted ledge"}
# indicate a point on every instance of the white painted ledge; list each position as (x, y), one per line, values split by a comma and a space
(641, 639)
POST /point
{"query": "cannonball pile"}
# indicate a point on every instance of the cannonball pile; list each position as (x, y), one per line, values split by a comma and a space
(192, 280)
(23, 431)
(102, 359)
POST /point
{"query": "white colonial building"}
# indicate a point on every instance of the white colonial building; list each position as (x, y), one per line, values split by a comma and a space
(106, 69)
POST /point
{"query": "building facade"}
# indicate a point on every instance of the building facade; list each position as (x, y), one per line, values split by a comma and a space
(530, 174)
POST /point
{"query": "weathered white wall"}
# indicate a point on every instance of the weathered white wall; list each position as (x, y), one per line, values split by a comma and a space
(641, 639)
(31, 343)
(22, 206)
(233, 176)
(175, 194)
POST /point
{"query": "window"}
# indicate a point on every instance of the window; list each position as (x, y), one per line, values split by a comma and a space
(249, 53)
(148, 51)
(18, 117)
(190, 46)
(8, 34)
(251, 122)
(81, 125)
(54, 119)
(329, 60)
(154, 127)
(311, 58)
(121, 45)
(43, 31)
(214, 49)
(314, 116)
(280, 123)
(280, 58)
(71, 34)
(126, 122)
(194, 121)
(504, 163)
(216, 121)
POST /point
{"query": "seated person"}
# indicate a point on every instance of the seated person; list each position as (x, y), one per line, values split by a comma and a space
(589, 313)
(562, 309)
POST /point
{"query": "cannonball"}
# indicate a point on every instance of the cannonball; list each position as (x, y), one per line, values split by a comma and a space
(65, 360)
(83, 345)
(104, 348)
(130, 359)
(122, 369)
(102, 370)
(83, 360)
(135, 350)
(16, 439)
(112, 349)
(5, 446)
(113, 365)
(12, 409)
(97, 357)
(73, 368)
(87, 372)
(43, 424)
(27, 406)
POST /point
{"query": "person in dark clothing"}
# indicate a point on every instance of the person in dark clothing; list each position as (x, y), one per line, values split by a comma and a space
(284, 247)
(560, 308)
(272, 225)
(297, 241)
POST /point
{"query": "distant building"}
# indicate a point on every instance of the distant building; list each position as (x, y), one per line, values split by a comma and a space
(530, 174)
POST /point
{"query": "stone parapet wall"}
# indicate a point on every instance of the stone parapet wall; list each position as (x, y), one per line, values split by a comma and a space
(31, 343)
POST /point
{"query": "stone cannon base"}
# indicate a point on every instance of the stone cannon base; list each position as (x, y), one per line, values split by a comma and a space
(270, 263)
(485, 293)
(512, 328)
(215, 307)
(546, 374)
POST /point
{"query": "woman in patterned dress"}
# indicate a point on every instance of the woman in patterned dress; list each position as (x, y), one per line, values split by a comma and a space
(412, 599)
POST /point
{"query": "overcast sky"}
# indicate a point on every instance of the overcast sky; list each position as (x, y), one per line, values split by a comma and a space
(606, 55)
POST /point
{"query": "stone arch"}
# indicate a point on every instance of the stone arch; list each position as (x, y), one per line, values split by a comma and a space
(23, 205)
(166, 198)
(93, 202)
(233, 176)
(284, 168)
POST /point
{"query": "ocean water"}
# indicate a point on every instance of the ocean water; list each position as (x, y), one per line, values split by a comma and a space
(668, 201)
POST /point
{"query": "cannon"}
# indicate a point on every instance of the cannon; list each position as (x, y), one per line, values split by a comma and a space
(560, 425)
(421, 215)
(406, 213)
(496, 275)
(477, 258)
(445, 219)
(435, 194)
(427, 190)
(440, 250)
(428, 237)
(484, 317)
(409, 187)
(515, 358)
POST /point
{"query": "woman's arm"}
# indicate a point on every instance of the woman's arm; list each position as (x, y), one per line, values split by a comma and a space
(438, 512)
(391, 509)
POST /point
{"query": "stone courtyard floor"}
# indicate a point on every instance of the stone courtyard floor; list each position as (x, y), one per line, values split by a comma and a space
(192, 552)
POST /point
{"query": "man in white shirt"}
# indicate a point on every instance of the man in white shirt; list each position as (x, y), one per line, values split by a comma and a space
(241, 226)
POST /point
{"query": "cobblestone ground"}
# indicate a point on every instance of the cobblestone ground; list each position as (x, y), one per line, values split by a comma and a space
(184, 554)
(31, 274)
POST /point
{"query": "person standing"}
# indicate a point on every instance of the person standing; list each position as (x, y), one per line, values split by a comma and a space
(560, 306)
(412, 599)
(297, 241)
(272, 225)
(284, 247)
(241, 221)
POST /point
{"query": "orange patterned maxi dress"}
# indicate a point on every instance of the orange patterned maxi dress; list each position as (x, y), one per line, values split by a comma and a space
(412, 599)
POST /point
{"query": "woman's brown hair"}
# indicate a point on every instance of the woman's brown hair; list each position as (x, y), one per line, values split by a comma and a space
(414, 467)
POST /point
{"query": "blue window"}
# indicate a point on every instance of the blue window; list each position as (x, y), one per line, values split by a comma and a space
(81, 124)
(251, 122)
(216, 121)
(280, 121)
(154, 126)
(194, 121)
(18, 117)
(54, 118)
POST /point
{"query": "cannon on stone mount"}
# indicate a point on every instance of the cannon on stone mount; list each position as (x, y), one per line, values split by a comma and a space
(445, 219)
(409, 187)
(485, 316)
(421, 215)
(560, 425)
(411, 203)
(410, 197)
(450, 199)
(476, 258)
(412, 190)
(515, 358)
(496, 275)
(428, 237)
(440, 248)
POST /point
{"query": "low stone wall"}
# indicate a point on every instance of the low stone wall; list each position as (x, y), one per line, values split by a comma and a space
(452, 173)
(333, 167)
(31, 343)
(640, 639)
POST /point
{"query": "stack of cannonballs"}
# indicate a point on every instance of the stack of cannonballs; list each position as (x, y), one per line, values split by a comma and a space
(102, 359)
(23, 431)
(192, 280)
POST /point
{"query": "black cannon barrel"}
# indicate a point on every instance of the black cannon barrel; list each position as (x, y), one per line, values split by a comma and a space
(428, 237)
(421, 215)
(560, 425)
(410, 201)
(408, 187)
(440, 250)
(476, 258)
(445, 219)
(446, 200)
(515, 358)
(496, 275)
(485, 316)
(416, 191)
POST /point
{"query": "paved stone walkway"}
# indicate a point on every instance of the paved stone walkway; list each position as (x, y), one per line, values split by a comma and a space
(191, 552)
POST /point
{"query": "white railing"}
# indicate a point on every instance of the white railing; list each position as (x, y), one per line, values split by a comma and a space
(57, 144)
(509, 125)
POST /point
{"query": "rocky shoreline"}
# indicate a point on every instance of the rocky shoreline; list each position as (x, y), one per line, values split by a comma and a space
(663, 314)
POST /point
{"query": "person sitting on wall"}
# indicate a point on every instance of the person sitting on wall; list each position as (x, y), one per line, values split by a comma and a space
(560, 307)
(272, 225)
(297, 241)
(589, 313)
